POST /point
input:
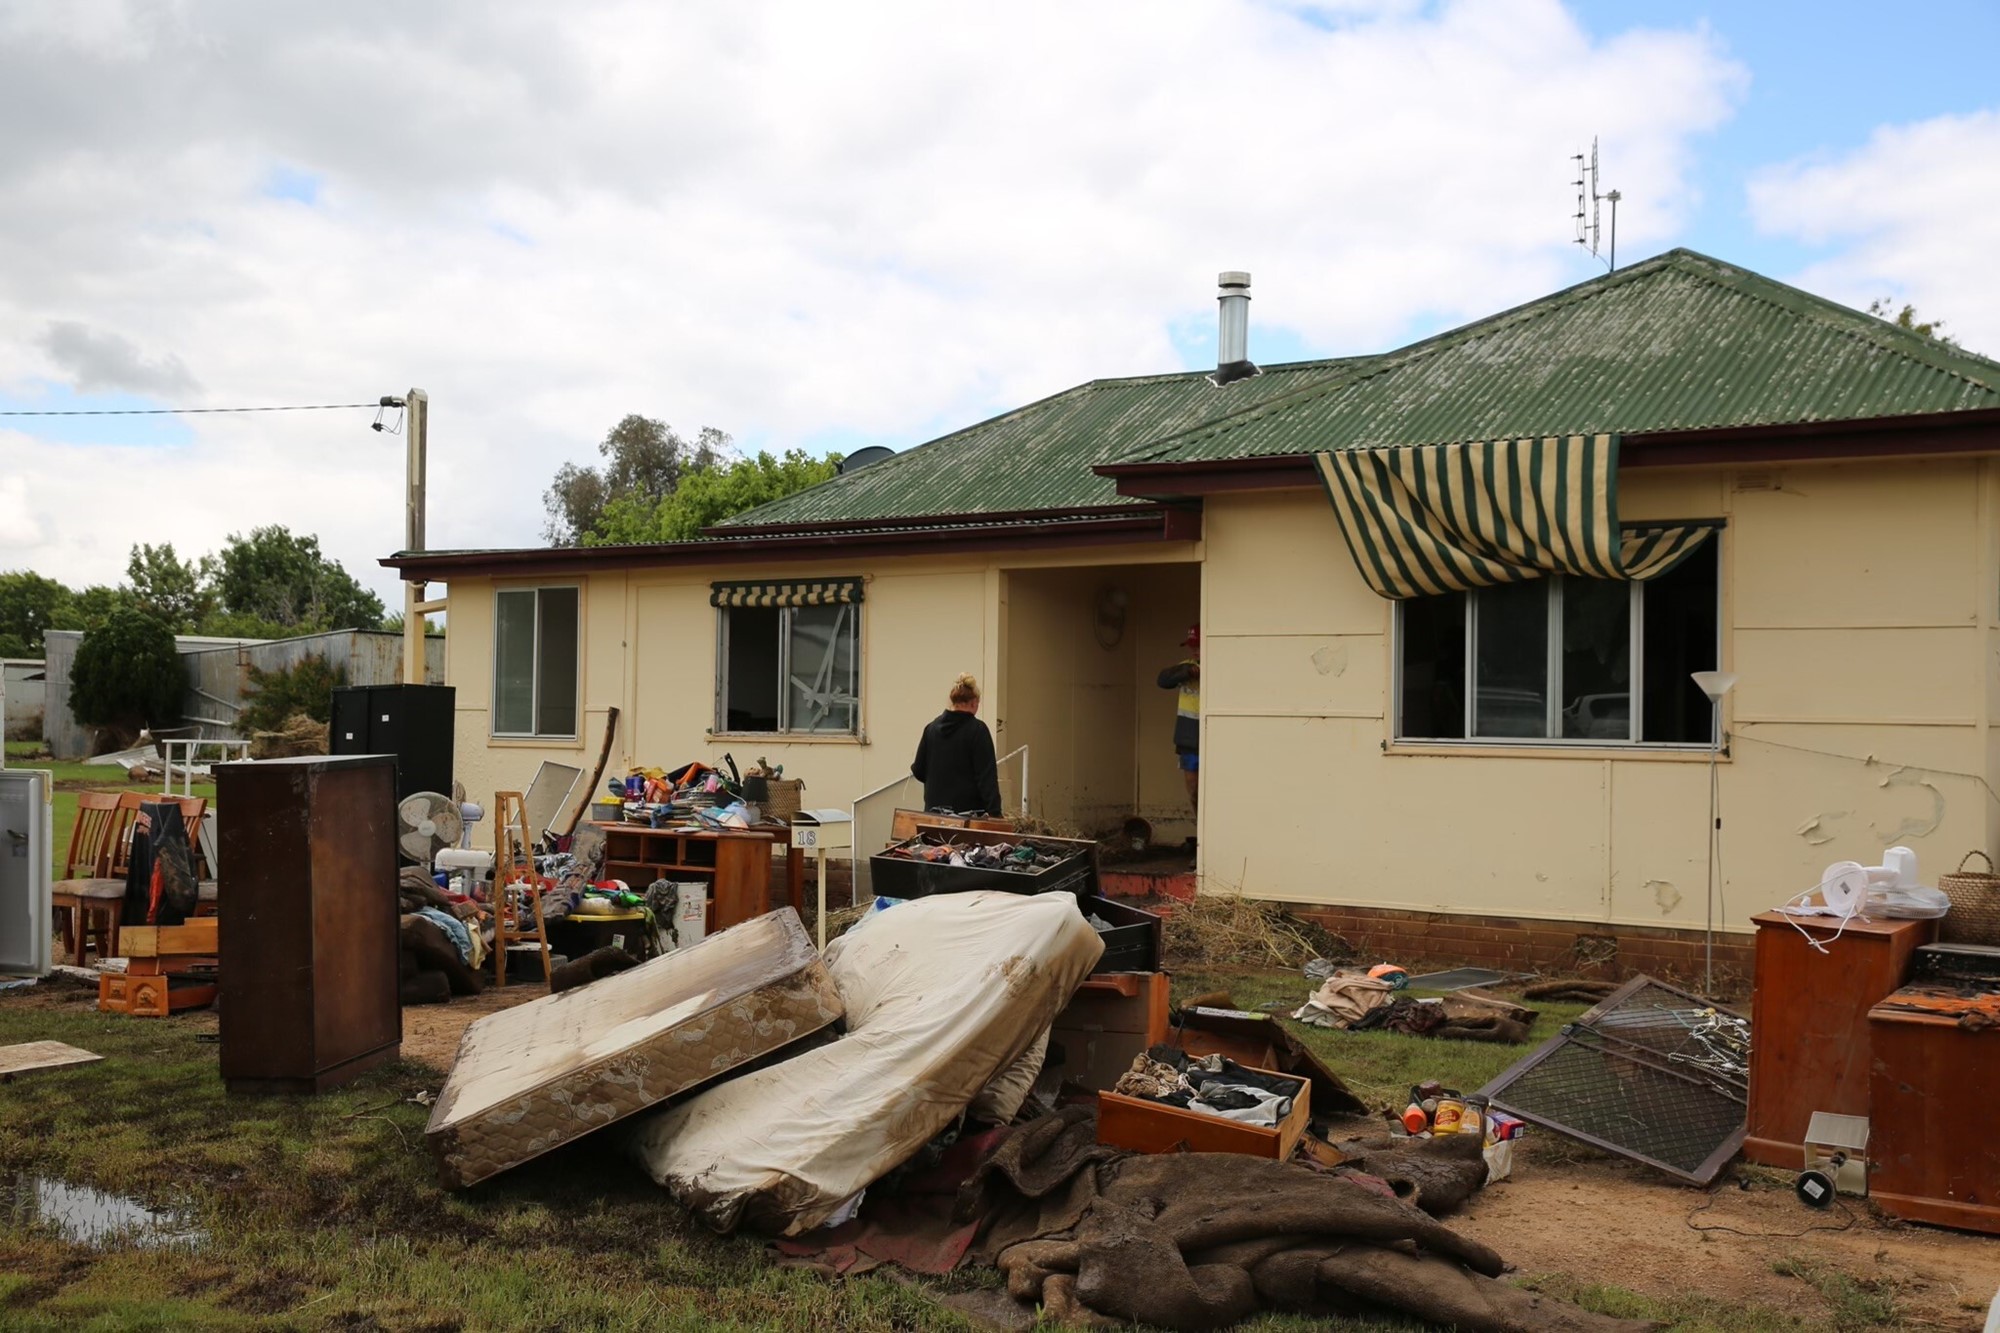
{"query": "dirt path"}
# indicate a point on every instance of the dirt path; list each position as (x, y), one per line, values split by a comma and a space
(431, 1031)
(1607, 1222)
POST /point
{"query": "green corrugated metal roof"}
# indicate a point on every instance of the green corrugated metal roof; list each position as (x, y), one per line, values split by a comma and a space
(1678, 342)
(1039, 456)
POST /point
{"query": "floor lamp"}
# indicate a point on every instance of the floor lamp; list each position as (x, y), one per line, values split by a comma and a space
(1714, 684)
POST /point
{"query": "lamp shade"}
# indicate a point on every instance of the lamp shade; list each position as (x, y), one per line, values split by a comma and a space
(1715, 684)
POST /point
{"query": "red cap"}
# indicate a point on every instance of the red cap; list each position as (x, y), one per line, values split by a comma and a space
(1193, 639)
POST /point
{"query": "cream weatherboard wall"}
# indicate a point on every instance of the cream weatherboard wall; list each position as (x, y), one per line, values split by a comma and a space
(1858, 606)
(649, 648)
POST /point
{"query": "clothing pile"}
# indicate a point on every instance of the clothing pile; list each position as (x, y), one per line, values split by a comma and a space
(1213, 1085)
(1024, 857)
(1356, 1002)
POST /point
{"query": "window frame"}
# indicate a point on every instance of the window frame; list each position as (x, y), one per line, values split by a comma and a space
(784, 731)
(535, 681)
(1552, 721)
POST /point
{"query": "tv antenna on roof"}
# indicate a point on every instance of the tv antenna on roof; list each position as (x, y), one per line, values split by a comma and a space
(1587, 233)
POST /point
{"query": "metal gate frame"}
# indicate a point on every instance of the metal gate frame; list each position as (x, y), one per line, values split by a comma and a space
(1585, 1033)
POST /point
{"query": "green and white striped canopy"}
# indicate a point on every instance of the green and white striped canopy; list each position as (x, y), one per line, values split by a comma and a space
(786, 592)
(1428, 519)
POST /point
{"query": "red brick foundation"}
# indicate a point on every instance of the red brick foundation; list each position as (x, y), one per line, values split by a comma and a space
(1519, 944)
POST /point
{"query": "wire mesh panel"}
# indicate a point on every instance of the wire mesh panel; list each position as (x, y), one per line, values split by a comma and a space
(1652, 1074)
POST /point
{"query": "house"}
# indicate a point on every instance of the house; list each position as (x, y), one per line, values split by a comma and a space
(1451, 600)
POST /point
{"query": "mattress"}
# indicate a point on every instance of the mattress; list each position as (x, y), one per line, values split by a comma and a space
(943, 995)
(533, 1078)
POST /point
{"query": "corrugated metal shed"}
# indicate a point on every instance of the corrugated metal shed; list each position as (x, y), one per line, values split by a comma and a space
(218, 677)
(1677, 342)
(218, 669)
(1036, 457)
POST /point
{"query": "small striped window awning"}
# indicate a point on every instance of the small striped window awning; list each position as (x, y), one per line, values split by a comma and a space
(1428, 519)
(786, 592)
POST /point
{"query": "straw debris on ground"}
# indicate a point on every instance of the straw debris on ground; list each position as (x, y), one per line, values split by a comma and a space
(1228, 929)
(300, 735)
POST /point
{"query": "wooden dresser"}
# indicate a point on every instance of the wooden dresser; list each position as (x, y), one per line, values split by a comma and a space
(1809, 1028)
(308, 921)
(1932, 1154)
(736, 866)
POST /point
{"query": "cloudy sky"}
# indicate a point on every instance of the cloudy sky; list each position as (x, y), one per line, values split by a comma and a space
(827, 225)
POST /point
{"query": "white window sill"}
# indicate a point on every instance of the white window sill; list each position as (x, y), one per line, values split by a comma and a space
(790, 737)
(537, 742)
(1673, 754)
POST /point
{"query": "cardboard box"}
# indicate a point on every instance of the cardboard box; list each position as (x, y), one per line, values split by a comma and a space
(1112, 1018)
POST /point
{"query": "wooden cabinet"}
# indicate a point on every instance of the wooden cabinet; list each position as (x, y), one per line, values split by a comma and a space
(1809, 1030)
(308, 921)
(1932, 1155)
(737, 866)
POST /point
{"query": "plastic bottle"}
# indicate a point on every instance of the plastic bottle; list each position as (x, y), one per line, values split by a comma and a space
(1450, 1114)
(1474, 1119)
(1415, 1119)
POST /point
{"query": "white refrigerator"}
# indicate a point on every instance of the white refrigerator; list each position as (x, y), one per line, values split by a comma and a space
(27, 841)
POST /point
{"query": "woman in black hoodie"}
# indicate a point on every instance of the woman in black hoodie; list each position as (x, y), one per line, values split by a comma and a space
(955, 758)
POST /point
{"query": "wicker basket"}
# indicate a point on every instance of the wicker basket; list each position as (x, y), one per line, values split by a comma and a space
(1974, 917)
(783, 802)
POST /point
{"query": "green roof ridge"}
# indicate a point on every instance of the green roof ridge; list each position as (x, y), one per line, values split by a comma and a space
(1859, 324)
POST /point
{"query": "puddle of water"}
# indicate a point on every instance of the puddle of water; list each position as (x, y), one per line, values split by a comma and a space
(92, 1217)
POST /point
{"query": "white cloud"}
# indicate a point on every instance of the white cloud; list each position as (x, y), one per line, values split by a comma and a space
(1915, 213)
(786, 219)
(20, 528)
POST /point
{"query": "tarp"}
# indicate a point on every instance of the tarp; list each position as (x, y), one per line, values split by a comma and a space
(942, 995)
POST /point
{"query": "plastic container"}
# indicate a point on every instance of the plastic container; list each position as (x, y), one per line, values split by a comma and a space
(1450, 1114)
(1474, 1119)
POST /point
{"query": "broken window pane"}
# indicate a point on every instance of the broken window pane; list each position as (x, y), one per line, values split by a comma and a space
(1432, 676)
(822, 681)
(750, 682)
(1680, 638)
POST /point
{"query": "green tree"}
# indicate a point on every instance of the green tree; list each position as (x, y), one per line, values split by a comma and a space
(710, 494)
(127, 675)
(286, 581)
(30, 606)
(644, 460)
(273, 697)
(1906, 318)
(707, 495)
(177, 591)
(393, 624)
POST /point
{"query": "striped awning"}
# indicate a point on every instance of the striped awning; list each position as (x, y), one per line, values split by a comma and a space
(1441, 518)
(792, 592)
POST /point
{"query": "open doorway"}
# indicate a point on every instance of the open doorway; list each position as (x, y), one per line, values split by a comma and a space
(1081, 652)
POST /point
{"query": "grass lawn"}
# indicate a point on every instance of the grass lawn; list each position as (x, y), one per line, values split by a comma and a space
(1380, 1067)
(324, 1213)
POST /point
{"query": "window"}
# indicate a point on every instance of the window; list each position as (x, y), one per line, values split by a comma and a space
(1562, 659)
(789, 669)
(535, 662)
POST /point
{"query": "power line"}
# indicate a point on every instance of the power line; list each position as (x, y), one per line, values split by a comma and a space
(182, 411)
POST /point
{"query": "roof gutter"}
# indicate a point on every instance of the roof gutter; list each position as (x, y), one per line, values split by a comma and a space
(1150, 524)
(1918, 435)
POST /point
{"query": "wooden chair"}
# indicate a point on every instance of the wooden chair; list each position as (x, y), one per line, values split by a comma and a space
(119, 852)
(517, 889)
(91, 903)
(192, 810)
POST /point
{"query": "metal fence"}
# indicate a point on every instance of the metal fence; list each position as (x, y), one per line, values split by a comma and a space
(218, 675)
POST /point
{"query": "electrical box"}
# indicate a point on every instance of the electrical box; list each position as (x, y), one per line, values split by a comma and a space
(1837, 1147)
(27, 843)
(823, 830)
